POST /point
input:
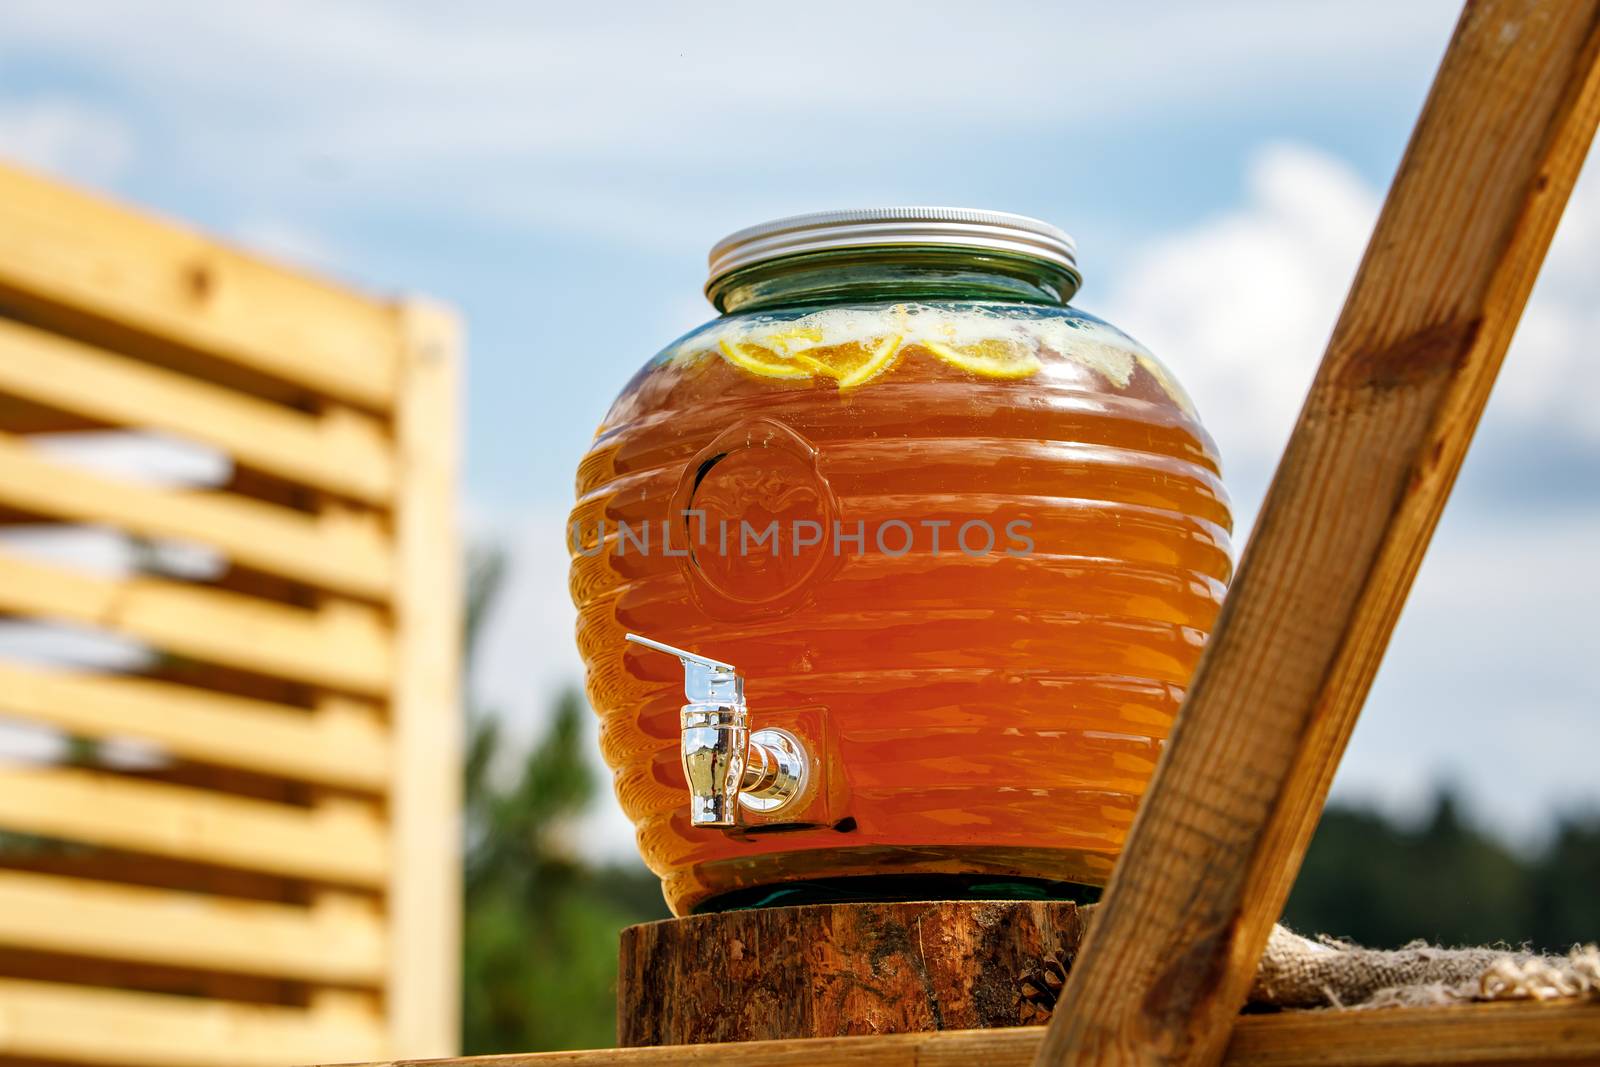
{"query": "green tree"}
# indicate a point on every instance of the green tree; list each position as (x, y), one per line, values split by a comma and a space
(1565, 898)
(1381, 884)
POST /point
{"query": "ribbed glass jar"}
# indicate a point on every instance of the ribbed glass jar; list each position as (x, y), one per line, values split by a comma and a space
(963, 540)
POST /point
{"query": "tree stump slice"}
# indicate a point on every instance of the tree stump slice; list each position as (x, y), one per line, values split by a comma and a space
(833, 970)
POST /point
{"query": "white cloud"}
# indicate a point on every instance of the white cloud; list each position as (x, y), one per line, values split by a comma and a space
(486, 75)
(1241, 307)
(574, 115)
(64, 137)
(28, 744)
(147, 458)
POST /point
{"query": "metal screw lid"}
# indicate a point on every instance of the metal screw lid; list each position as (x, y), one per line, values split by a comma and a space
(820, 231)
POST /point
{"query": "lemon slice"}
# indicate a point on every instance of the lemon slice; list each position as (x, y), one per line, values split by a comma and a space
(992, 357)
(796, 354)
(762, 361)
(878, 361)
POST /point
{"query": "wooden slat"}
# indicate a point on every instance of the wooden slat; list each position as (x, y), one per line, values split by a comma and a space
(1219, 838)
(348, 649)
(348, 453)
(80, 1024)
(66, 249)
(337, 746)
(1501, 1034)
(1525, 1032)
(118, 811)
(425, 894)
(88, 918)
(351, 557)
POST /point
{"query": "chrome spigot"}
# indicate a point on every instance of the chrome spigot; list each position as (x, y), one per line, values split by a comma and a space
(722, 760)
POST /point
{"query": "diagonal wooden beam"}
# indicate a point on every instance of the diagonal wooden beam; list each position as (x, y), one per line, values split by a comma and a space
(1220, 837)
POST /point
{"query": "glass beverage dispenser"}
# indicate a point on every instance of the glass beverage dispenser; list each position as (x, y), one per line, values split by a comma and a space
(916, 558)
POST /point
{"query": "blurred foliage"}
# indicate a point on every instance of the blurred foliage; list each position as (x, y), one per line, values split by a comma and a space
(541, 925)
(1382, 884)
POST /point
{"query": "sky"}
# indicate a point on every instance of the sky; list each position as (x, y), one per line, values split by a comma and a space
(558, 172)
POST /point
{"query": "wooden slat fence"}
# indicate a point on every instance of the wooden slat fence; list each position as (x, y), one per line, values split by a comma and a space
(245, 849)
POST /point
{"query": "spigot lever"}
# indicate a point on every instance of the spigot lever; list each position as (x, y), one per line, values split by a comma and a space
(705, 680)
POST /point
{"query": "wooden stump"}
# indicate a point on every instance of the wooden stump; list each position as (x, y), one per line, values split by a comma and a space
(827, 970)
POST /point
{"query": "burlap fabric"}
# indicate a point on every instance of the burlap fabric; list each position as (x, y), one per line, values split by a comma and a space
(1301, 972)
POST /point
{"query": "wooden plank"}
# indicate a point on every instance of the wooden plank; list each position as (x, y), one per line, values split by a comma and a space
(348, 556)
(1219, 839)
(87, 918)
(81, 1024)
(1500, 1034)
(344, 746)
(424, 891)
(121, 812)
(347, 453)
(69, 250)
(1524, 1032)
(348, 649)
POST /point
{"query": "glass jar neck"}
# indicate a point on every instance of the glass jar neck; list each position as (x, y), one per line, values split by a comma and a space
(900, 273)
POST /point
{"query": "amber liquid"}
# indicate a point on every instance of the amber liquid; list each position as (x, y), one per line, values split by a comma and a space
(996, 713)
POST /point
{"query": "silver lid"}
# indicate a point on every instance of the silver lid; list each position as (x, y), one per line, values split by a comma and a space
(820, 231)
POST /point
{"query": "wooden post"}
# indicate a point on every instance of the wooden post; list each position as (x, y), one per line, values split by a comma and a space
(830, 970)
(425, 882)
(1219, 839)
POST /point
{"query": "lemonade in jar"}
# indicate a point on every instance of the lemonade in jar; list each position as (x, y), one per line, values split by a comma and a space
(936, 552)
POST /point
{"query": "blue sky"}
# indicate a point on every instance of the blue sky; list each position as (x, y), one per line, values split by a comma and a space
(558, 172)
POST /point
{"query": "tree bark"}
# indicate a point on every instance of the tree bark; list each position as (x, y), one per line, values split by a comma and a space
(828, 970)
